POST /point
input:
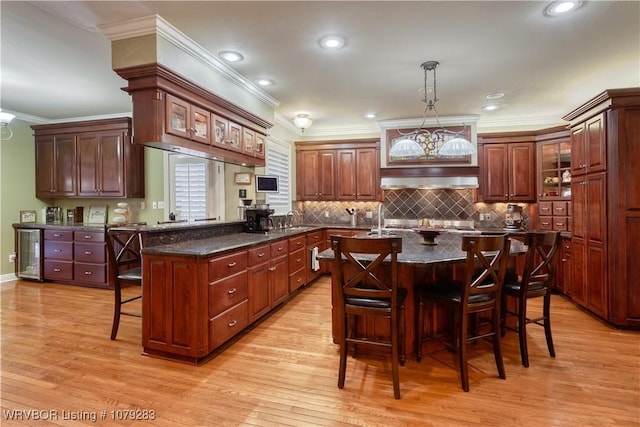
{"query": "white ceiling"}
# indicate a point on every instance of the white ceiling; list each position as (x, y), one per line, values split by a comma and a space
(56, 64)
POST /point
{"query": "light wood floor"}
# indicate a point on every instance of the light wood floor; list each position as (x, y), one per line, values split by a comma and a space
(57, 356)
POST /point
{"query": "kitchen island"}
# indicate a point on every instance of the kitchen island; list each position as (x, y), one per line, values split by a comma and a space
(418, 263)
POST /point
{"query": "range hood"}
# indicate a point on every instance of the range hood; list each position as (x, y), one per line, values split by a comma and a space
(429, 182)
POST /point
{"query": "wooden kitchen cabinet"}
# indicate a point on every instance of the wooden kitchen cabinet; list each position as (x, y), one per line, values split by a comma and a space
(268, 279)
(554, 165)
(605, 204)
(564, 276)
(507, 170)
(186, 120)
(297, 262)
(88, 159)
(338, 170)
(56, 174)
(357, 174)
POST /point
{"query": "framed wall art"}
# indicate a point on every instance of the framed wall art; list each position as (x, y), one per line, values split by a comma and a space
(27, 216)
(242, 178)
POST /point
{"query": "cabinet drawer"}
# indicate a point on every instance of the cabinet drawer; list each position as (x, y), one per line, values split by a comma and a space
(545, 208)
(90, 273)
(62, 236)
(90, 252)
(313, 238)
(560, 223)
(88, 236)
(296, 260)
(560, 208)
(58, 270)
(228, 264)
(228, 324)
(344, 233)
(296, 280)
(227, 292)
(58, 250)
(545, 223)
(258, 255)
(296, 243)
(279, 248)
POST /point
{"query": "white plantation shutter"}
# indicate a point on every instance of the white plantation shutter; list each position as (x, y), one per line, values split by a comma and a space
(190, 192)
(278, 161)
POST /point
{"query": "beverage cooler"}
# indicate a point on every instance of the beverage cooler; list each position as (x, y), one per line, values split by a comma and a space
(29, 254)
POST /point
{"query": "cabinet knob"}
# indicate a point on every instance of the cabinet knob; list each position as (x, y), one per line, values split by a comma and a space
(272, 268)
(232, 291)
(261, 254)
(88, 273)
(57, 270)
(232, 264)
(232, 323)
(88, 252)
(88, 236)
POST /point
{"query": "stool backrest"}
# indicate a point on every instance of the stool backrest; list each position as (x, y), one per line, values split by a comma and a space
(541, 259)
(124, 244)
(486, 264)
(362, 278)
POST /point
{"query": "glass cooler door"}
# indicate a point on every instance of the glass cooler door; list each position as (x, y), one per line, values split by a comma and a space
(29, 257)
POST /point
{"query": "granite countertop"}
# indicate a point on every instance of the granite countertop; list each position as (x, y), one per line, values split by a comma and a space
(215, 245)
(59, 226)
(447, 248)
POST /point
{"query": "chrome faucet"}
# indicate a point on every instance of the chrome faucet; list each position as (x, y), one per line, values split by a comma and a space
(291, 218)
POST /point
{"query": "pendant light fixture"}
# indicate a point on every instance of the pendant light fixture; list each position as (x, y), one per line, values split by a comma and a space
(302, 122)
(447, 143)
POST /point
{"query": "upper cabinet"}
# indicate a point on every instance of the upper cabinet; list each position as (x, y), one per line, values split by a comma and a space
(588, 145)
(338, 170)
(554, 165)
(507, 165)
(174, 114)
(88, 159)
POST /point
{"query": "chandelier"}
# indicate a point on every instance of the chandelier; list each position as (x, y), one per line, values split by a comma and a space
(444, 142)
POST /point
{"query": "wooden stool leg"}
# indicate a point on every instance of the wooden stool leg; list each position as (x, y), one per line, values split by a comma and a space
(419, 329)
(117, 306)
(547, 323)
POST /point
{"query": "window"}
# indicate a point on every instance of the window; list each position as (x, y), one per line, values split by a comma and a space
(278, 156)
(196, 187)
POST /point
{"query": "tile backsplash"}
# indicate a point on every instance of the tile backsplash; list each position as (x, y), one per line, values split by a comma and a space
(413, 204)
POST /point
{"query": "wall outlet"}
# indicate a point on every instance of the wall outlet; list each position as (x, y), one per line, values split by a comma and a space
(487, 217)
(143, 205)
(161, 204)
(326, 214)
(368, 214)
(12, 257)
(481, 217)
(154, 205)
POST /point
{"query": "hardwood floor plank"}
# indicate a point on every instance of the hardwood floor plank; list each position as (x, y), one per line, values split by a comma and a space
(57, 355)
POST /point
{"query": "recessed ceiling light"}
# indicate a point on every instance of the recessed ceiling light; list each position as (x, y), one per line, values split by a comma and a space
(495, 95)
(231, 56)
(370, 116)
(491, 107)
(560, 7)
(332, 42)
(264, 82)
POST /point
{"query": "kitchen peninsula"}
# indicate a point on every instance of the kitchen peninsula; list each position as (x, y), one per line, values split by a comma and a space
(204, 284)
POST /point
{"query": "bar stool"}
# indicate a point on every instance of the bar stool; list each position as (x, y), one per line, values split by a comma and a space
(478, 293)
(540, 267)
(125, 266)
(364, 291)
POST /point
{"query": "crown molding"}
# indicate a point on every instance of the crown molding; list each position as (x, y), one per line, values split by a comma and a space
(155, 24)
(540, 121)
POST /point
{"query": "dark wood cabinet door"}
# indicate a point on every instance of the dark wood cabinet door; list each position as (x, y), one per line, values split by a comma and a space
(578, 155)
(89, 165)
(178, 115)
(220, 131)
(347, 175)
(258, 286)
(101, 164)
(279, 279)
(200, 125)
(56, 166)
(261, 145)
(248, 142)
(579, 282)
(307, 171)
(368, 182)
(496, 177)
(596, 278)
(234, 137)
(327, 175)
(522, 166)
(595, 144)
(595, 208)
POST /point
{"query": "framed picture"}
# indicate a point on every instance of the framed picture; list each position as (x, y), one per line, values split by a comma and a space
(97, 214)
(27, 216)
(242, 178)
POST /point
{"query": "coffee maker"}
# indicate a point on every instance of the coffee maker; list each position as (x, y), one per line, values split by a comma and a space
(259, 220)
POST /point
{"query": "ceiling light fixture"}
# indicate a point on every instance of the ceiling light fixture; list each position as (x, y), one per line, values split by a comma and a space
(231, 56)
(5, 131)
(370, 116)
(491, 107)
(447, 143)
(561, 7)
(332, 42)
(264, 82)
(302, 122)
(495, 95)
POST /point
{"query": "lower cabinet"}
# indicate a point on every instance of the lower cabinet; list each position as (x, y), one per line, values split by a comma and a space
(268, 277)
(315, 245)
(564, 274)
(297, 262)
(75, 256)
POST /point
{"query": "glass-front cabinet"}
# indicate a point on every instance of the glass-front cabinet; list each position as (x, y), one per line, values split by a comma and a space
(554, 178)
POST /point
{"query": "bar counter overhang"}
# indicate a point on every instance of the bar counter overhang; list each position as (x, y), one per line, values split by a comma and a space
(417, 264)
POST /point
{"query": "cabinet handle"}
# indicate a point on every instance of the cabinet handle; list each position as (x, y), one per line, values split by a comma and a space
(88, 252)
(559, 209)
(299, 279)
(232, 291)
(88, 273)
(280, 249)
(261, 254)
(567, 246)
(272, 268)
(563, 260)
(88, 236)
(544, 209)
(57, 270)
(545, 223)
(57, 235)
(233, 323)
(560, 224)
(57, 250)
(231, 264)
(298, 260)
